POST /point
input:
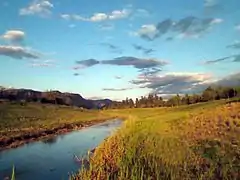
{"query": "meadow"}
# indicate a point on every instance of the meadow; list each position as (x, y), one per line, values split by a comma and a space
(32, 121)
(199, 141)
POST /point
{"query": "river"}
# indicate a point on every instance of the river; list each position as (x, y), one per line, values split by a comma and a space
(53, 159)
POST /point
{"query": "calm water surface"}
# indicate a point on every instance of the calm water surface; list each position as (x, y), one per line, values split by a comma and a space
(53, 159)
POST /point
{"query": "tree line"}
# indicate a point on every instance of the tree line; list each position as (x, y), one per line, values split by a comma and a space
(154, 100)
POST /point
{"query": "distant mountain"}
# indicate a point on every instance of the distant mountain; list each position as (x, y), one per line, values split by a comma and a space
(52, 97)
(102, 102)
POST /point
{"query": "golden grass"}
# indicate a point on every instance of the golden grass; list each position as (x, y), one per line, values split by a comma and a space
(190, 142)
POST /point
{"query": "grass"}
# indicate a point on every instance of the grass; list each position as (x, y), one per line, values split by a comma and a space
(200, 141)
(33, 120)
(13, 173)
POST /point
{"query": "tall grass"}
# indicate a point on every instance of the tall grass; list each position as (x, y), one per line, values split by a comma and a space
(195, 142)
(13, 173)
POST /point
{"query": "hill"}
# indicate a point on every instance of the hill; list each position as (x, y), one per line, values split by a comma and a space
(52, 97)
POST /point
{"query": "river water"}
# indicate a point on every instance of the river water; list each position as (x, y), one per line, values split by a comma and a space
(54, 159)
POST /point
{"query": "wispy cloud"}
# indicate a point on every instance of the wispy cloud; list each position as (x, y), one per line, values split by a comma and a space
(99, 17)
(13, 36)
(235, 45)
(37, 7)
(211, 6)
(210, 3)
(116, 89)
(106, 27)
(138, 63)
(88, 62)
(118, 77)
(76, 74)
(18, 52)
(144, 50)
(230, 58)
(150, 72)
(77, 67)
(173, 83)
(236, 58)
(230, 80)
(72, 25)
(169, 38)
(237, 27)
(135, 62)
(233, 58)
(140, 13)
(189, 26)
(42, 63)
(113, 48)
(216, 60)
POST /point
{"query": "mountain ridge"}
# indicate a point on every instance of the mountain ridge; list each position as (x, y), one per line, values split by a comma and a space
(52, 97)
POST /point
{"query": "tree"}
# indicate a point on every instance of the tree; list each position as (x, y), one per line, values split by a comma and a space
(137, 103)
(209, 94)
(131, 103)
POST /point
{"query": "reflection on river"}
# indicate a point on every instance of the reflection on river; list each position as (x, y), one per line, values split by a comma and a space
(53, 158)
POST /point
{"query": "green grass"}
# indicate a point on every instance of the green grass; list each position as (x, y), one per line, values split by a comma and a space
(200, 141)
(17, 120)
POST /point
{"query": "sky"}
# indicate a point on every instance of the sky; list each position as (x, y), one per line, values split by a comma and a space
(121, 48)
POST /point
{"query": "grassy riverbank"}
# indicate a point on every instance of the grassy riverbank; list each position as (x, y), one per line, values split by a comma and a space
(23, 123)
(200, 141)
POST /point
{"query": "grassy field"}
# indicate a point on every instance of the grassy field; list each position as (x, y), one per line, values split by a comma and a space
(200, 141)
(32, 121)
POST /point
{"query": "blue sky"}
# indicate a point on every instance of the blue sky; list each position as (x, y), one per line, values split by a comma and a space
(117, 49)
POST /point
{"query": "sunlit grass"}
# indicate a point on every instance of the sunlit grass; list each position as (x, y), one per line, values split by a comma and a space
(190, 142)
(13, 173)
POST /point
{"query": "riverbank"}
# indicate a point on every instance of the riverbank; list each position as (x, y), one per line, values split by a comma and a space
(190, 142)
(23, 124)
(56, 157)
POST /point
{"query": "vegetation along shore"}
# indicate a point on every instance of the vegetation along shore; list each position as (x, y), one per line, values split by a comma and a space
(20, 124)
(199, 141)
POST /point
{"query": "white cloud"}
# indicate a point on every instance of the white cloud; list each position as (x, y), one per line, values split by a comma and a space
(65, 16)
(37, 7)
(149, 30)
(210, 3)
(72, 25)
(13, 35)
(17, 52)
(119, 14)
(238, 27)
(216, 21)
(99, 17)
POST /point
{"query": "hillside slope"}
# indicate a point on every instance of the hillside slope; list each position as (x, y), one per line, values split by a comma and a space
(52, 97)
